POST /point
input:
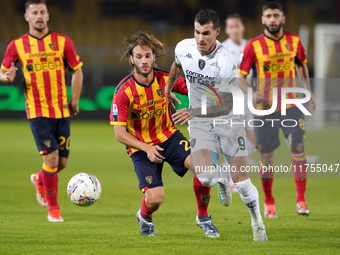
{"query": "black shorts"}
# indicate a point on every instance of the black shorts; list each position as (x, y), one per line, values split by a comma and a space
(267, 136)
(51, 135)
(176, 150)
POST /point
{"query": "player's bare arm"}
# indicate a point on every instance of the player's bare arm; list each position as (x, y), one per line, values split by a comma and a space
(184, 115)
(77, 85)
(175, 72)
(244, 85)
(124, 137)
(302, 72)
(8, 76)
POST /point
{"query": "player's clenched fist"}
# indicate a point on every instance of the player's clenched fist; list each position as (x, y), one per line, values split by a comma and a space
(10, 74)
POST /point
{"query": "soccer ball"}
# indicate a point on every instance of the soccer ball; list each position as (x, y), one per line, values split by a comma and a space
(84, 189)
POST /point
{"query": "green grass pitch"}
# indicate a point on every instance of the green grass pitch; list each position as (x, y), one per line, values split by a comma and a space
(110, 227)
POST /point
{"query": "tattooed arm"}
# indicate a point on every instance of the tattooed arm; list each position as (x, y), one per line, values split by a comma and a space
(184, 115)
(175, 72)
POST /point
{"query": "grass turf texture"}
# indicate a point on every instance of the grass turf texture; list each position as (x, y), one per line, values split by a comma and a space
(110, 227)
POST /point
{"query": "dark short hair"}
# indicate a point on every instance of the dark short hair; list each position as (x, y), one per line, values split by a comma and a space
(206, 16)
(29, 2)
(234, 15)
(272, 5)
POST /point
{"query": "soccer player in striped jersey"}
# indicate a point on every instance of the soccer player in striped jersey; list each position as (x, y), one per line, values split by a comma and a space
(142, 121)
(44, 56)
(276, 56)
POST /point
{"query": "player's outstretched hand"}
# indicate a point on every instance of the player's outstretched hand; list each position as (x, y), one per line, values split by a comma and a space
(153, 154)
(181, 116)
(74, 109)
(10, 74)
(170, 98)
(257, 97)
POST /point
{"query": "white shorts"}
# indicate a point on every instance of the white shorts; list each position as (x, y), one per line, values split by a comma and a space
(248, 115)
(231, 141)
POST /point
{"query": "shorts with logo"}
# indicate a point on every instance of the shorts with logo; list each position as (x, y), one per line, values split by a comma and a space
(229, 139)
(267, 136)
(176, 150)
(51, 135)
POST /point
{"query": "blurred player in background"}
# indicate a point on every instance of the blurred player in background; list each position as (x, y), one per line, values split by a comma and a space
(142, 121)
(277, 55)
(42, 54)
(206, 64)
(235, 43)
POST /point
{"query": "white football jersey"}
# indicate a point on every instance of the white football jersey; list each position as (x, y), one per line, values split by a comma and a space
(203, 73)
(235, 49)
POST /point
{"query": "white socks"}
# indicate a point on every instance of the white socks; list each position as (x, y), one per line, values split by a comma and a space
(250, 197)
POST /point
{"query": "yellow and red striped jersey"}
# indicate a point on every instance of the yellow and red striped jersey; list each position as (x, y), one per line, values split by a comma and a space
(144, 109)
(273, 62)
(44, 61)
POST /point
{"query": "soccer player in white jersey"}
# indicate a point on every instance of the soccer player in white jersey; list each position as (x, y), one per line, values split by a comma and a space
(235, 43)
(208, 66)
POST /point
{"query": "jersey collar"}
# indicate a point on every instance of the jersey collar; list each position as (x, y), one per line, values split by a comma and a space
(41, 38)
(272, 38)
(142, 84)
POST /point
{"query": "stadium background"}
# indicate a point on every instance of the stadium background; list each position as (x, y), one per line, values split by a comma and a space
(109, 227)
(97, 29)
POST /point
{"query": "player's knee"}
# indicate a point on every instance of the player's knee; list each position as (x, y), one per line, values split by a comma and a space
(208, 182)
(297, 143)
(51, 159)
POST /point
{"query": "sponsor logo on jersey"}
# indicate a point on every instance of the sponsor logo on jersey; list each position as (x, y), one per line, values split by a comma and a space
(201, 64)
(194, 77)
(215, 64)
(148, 114)
(234, 68)
(44, 66)
(278, 67)
(188, 56)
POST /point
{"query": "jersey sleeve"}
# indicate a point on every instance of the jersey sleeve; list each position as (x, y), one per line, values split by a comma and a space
(178, 53)
(71, 56)
(247, 59)
(119, 109)
(11, 56)
(228, 71)
(181, 87)
(301, 53)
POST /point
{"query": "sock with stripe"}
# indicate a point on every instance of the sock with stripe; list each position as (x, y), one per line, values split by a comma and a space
(145, 211)
(202, 194)
(267, 183)
(300, 174)
(49, 177)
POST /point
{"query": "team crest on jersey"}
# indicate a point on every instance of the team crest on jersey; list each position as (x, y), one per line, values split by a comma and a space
(201, 64)
(160, 92)
(52, 46)
(47, 143)
(149, 179)
(288, 46)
